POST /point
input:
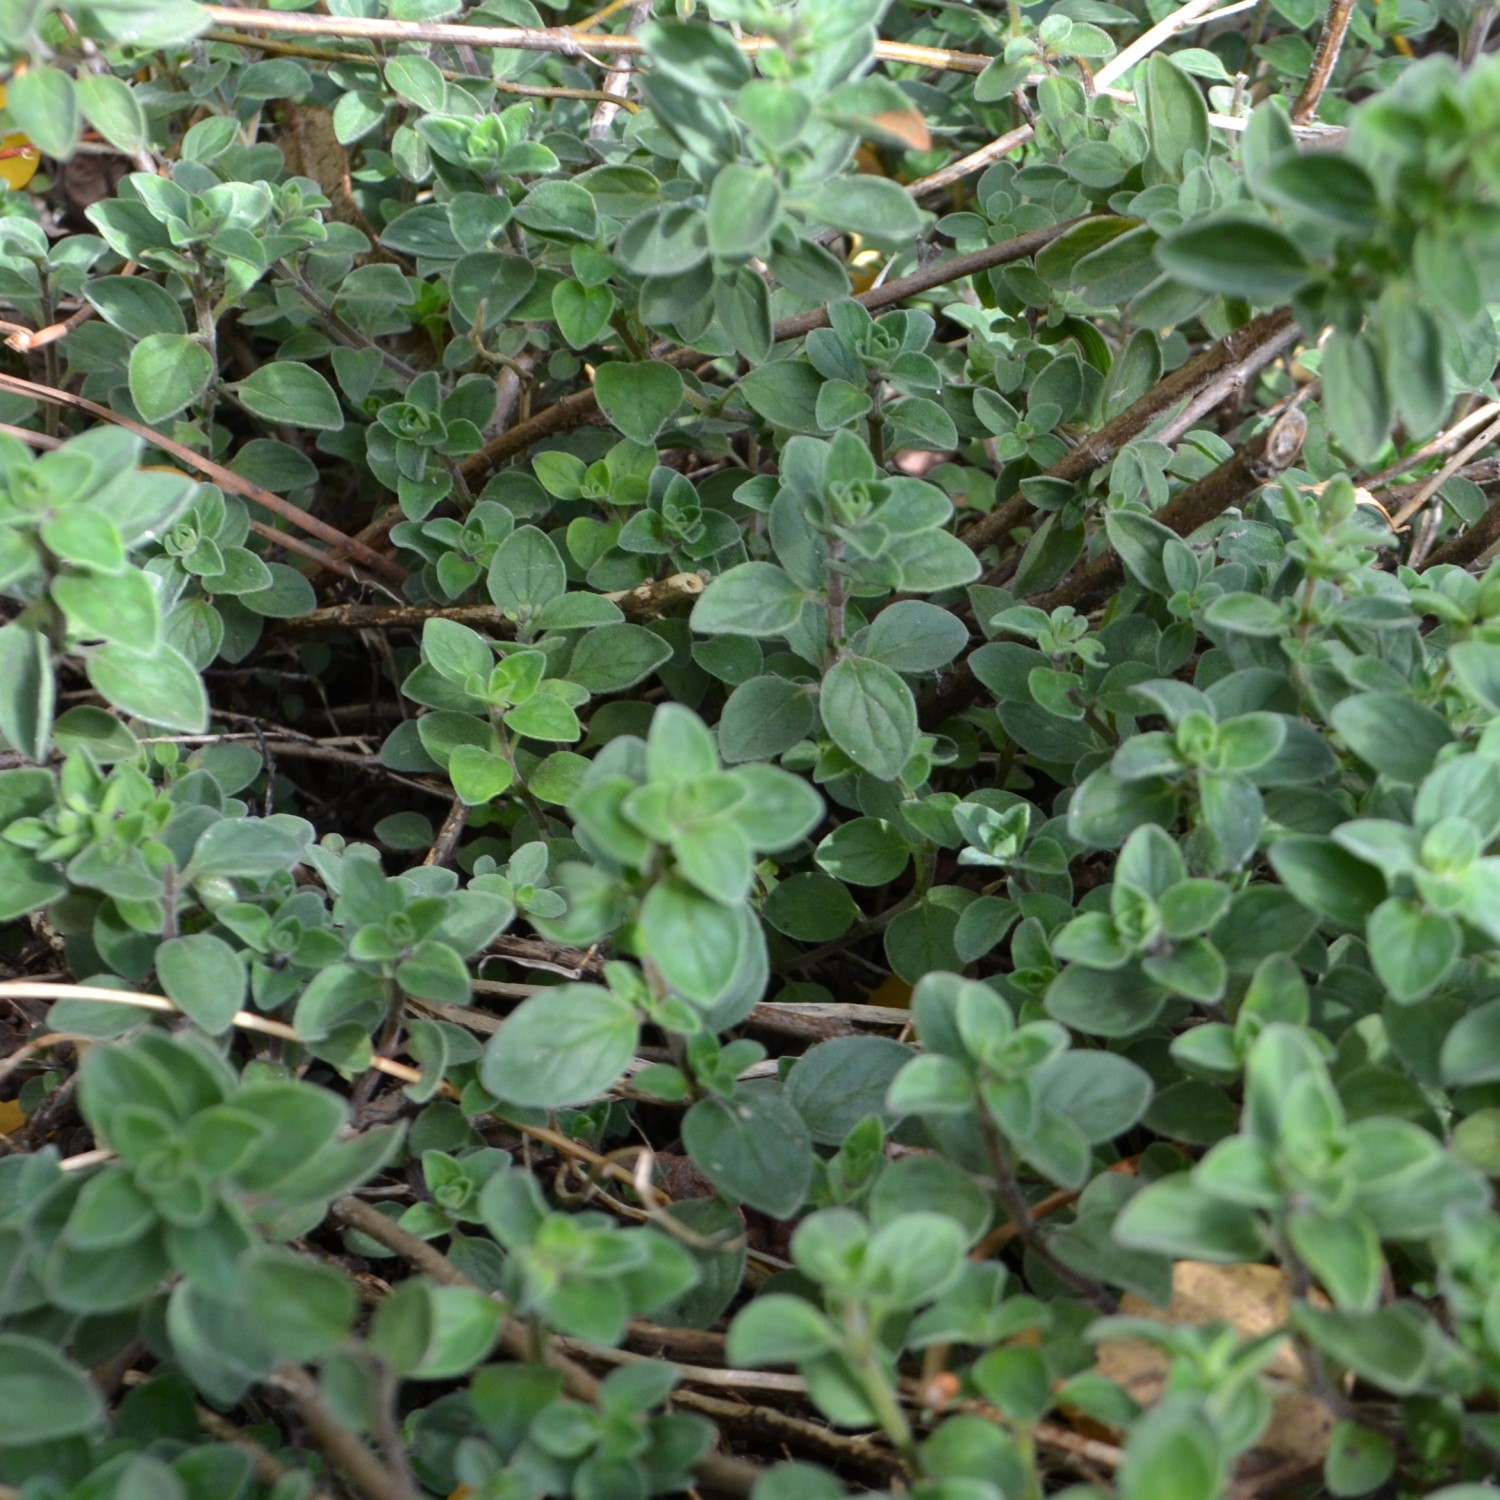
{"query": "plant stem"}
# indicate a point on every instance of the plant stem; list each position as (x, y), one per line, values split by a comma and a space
(837, 597)
(878, 1387)
(208, 331)
(1014, 1202)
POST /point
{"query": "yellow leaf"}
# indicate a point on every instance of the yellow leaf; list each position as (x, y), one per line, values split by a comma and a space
(895, 991)
(12, 1116)
(907, 126)
(19, 159)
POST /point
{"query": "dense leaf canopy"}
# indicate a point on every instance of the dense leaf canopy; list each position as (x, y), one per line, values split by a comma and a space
(749, 748)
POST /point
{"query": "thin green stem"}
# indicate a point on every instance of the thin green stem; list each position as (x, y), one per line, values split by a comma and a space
(878, 1386)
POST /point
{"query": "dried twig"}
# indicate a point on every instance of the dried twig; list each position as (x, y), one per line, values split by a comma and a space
(1236, 355)
(1239, 476)
(617, 81)
(225, 478)
(1330, 44)
(976, 161)
(368, 60)
(582, 406)
(371, 1477)
(268, 1468)
(1445, 442)
(648, 601)
(448, 835)
(1429, 487)
(24, 340)
(715, 1471)
(583, 46)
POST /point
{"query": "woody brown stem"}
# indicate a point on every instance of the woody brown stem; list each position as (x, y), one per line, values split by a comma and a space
(1250, 348)
(583, 406)
(1239, 476)
(1330, 44)
(584, 46)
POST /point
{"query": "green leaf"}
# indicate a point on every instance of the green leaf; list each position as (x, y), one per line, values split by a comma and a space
(302, 1309)
(1412, 949)
(544, 717)
(834, 1085)
(479, 775)
(701, 58)
(251, 848)
(168, 371)
(429, 1332)
(638, 398)
(870, 715)
(811, 907)
(841, 402)
(205, 978)
(111, 107)
(1140, 541)
(744, 205)
(560, 210)
(43, 103)
(85, 539)
(45, 1397)
(582, 312)
(526, 572)
(1324, 186)
(1174, 1454)
(1343, 1252)
(433, 971)
(284, 391)
(1358, 1460)
(1415, 373)
(1327, 879)
(785, 393)
(865, 851)
(564, 1046)
(288, 596)
(1471, 1050)
(1176, 1217)
(28, 692)
(777, 1329)
(1101, 1093)
(755, 599)
(1355, 396)
(134, 305)
(754, 1148)
(455, 651)
(1476, 665)
(1391, 1346)
(158, 686)
(1238, 257)
(1176, 114)
(615, 657)
(913, 1259)
(913, 636)
(875, 207)
(695, 941)
(764, 718)
(121, 608)
(1391, 733)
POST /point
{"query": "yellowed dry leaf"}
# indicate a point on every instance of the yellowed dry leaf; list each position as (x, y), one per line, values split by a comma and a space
(907, 126)
(1253, 1299)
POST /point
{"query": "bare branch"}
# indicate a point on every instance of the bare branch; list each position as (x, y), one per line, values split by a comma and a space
(1330, 44)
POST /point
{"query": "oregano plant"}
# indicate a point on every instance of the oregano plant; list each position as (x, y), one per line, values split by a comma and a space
(749, 748)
